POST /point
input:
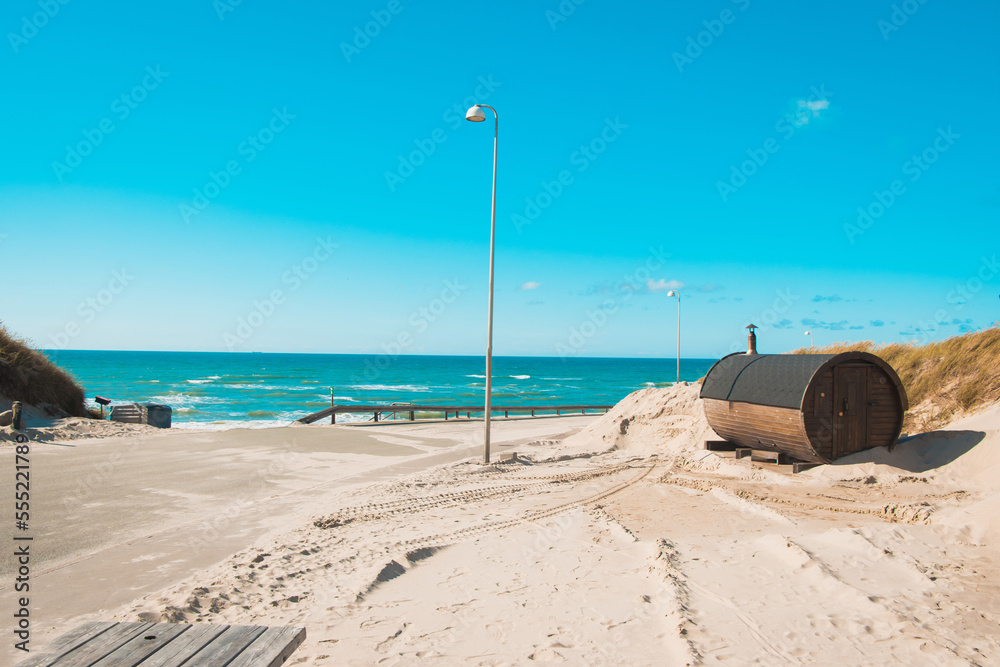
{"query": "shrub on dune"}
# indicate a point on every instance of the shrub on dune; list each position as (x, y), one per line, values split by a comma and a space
(29, 376)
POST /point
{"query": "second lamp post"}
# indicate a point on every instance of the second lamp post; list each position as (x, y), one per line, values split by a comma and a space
(678, 295)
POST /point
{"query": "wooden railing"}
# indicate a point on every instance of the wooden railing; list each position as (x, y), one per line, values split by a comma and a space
(410, 409)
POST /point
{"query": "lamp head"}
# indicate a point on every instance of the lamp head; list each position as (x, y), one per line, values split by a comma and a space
(475, 114)
(808, 333)
(672, 293)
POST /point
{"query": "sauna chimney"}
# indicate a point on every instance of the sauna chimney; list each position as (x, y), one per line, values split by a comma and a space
(752, 340)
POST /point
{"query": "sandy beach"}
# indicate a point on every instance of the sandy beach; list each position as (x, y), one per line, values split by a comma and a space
(718, 274)
(116, 517)
(614, 539)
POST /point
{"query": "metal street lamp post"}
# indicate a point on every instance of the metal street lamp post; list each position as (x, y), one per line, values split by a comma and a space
(810, 334)
(476, 115)
(678, 295)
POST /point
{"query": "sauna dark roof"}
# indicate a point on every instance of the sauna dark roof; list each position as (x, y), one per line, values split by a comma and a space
(778, 380)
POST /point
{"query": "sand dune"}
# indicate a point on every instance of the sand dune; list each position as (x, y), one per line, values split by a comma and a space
(626, 543)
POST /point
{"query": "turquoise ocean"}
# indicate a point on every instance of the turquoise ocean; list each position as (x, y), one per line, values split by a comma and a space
(224, 390)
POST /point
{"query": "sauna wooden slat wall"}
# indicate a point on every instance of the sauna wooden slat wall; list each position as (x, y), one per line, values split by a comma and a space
(813, 430)
(761, 427)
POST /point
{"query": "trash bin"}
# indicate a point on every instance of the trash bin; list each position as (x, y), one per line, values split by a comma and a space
(158, 415)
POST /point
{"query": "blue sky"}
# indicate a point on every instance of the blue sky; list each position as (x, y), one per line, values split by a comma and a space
(298, 176)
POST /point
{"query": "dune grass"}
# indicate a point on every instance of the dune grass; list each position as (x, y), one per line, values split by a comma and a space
(942, 379)
(28, 376)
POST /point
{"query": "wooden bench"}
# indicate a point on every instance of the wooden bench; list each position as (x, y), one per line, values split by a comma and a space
(169, 645)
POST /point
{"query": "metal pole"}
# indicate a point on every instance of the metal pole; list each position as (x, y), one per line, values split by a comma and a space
(678, 338)
(489, 326)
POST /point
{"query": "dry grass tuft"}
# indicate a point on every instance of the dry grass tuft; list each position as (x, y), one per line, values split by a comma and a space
(942, 379)
(28, 376)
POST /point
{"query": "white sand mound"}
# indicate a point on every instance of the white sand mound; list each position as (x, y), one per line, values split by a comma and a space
(976, 465)
(650, 421)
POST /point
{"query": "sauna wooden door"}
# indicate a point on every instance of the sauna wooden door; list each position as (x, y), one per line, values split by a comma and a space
(850, 408)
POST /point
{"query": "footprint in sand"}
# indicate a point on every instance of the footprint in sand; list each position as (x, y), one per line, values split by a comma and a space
(547, 655)
(497, 632)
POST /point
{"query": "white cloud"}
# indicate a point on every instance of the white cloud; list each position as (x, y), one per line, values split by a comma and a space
(662, 285)
(531, 284)
(806, 106)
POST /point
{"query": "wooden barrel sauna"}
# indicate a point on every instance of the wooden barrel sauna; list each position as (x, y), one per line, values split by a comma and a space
(812, 407)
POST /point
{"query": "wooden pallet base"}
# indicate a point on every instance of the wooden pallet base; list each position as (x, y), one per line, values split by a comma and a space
(719, 446)
(770, 457)
(759, 456)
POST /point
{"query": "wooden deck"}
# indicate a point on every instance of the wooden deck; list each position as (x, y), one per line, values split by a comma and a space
(410, 409)
(169, 645)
